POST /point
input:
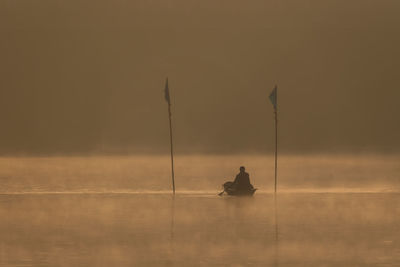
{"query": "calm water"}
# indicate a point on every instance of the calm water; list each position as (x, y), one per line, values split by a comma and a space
(117, 211)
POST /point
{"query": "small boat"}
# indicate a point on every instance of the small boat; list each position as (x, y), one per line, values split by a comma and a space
(233, 192)
(241, 193)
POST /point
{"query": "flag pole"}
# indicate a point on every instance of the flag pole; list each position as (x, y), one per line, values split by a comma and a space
(276, 140)
(274, 100)
(172, 149)
(167, 98)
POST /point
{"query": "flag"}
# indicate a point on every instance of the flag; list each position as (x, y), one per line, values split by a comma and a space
(167, 93)
(274, 97)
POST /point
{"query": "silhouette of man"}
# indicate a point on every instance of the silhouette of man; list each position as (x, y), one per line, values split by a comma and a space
(242, 181)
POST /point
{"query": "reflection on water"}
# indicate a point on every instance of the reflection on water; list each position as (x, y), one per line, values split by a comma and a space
(157, 230)
(276, 262)
(96, 220)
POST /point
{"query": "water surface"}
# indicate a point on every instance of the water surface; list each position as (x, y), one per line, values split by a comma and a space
(118, 211)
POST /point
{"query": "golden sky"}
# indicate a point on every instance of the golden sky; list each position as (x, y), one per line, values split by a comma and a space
(81, 76)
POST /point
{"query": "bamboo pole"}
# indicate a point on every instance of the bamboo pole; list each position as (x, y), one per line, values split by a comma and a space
(274, 100)
(172, 149)
(168, 99)
(276, 149)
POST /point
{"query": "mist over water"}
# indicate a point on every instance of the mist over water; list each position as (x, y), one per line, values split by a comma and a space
(201, 173)
(119, 211)
(87, 78)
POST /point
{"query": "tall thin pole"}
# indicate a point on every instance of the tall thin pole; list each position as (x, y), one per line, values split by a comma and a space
(172, 148)
(274, 100)
(276, 147)
(168, 99)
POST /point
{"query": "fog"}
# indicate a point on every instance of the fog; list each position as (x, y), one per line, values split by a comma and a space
(156, 230)
(88, 76)
(85, 174)
(197, 174)
(120, 211)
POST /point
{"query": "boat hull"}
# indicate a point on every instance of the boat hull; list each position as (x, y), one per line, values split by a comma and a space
(233, 192)
(240, 193)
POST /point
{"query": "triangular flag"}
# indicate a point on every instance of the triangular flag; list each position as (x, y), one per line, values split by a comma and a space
(274, 97)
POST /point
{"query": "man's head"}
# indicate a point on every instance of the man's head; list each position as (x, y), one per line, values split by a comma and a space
(242, 169)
